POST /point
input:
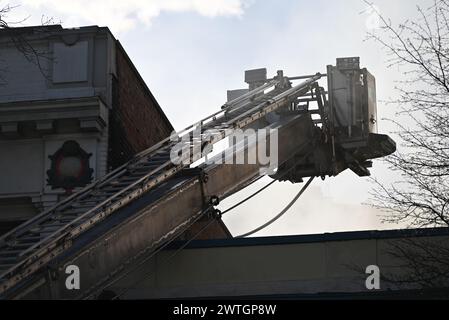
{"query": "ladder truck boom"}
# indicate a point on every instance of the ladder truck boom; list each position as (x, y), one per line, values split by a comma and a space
(120, 219)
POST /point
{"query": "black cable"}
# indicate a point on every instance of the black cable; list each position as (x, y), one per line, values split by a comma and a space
(184, 245)
(248, 198)
(281, 213)
(187, 242)
(269, 184)
(210, 223)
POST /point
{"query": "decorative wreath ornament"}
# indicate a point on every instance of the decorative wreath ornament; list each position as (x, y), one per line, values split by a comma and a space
(69, 167)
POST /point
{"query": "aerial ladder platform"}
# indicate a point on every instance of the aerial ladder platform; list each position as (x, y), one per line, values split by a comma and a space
(127, 215)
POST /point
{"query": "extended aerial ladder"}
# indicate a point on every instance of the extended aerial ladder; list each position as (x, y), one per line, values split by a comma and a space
(128, 214)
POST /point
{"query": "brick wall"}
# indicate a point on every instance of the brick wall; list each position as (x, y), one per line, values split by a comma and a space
(136, 122)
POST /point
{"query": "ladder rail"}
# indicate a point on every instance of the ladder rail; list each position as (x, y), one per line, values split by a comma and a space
(92, 210)
(67, 226)
(52, 240)
(56, 242)
(249, 94)
(118, 171)
(297, 90)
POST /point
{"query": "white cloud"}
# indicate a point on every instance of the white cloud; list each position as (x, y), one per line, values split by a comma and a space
(123, 16)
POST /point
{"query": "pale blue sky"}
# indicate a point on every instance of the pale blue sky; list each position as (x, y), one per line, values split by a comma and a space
(191, 51)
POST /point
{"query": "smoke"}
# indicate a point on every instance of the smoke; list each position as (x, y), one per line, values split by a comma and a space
(314, 213)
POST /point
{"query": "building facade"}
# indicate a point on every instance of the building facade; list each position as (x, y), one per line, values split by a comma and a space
(72, 108)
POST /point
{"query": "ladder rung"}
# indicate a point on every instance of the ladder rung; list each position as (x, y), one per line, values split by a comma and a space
(83, 205)
(130, 178)
(16, 246)
(48, 228)
(26, 241)
(9, 253)
(4, 260)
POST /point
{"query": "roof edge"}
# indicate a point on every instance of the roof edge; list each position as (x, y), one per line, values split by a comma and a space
(314, 238)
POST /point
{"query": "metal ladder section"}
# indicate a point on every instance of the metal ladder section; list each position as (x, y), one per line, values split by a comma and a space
(31, 245)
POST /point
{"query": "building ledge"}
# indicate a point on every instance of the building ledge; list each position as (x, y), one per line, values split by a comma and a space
(91, 112)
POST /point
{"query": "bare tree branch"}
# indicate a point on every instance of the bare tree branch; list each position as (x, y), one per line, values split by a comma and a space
(21, 43)
(420, 49)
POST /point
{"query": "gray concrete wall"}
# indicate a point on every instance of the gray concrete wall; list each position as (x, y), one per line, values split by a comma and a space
(68, 97)
(73, 63)
(264, 269)
(24, 164)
